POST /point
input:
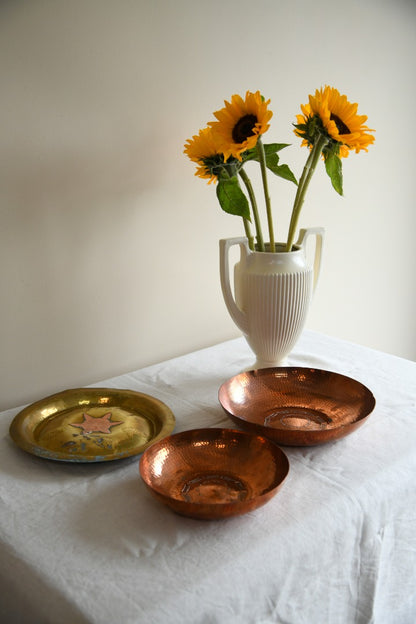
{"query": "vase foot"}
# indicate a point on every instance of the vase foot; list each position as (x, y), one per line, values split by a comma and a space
(266, 364)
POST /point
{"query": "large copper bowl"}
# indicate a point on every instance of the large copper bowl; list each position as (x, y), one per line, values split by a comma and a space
(213, 473)
(296, 406)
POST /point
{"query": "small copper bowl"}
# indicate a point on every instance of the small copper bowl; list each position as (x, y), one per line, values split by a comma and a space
(213, 473)
(296, 406)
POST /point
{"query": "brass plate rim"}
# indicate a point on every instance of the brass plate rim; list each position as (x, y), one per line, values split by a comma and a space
(165, 418)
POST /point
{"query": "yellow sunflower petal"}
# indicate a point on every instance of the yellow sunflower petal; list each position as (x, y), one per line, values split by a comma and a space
(200, 149)
(340, 119)
(240, 123)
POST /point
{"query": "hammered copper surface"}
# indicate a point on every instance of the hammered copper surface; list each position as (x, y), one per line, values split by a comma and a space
(296, 406)
(213, 473)
(91, 425)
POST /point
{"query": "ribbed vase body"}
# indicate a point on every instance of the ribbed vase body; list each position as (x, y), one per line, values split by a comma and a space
(272, 295)
(276, 306)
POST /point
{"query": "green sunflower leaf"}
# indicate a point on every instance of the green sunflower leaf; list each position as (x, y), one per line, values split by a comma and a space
(269, 148)
(333, 166)
(283, 171)
(232, 198)
(274, 147)
(250, 154)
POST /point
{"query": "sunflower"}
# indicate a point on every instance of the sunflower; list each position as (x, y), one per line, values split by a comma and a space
(203, 149)
(330, 113)
(240, 123)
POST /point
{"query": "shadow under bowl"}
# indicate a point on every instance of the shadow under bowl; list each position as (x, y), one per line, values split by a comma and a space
(296, 406)
(213, 473)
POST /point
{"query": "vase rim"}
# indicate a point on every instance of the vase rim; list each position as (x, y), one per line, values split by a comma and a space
(278, 245)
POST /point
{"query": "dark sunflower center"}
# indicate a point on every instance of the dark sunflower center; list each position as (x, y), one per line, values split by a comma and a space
(342, 127)
(244, 128)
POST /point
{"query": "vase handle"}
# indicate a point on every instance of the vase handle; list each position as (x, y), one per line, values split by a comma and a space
(319, 233)
(239, 318)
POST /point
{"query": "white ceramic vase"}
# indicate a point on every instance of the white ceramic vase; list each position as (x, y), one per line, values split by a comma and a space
(272, 294)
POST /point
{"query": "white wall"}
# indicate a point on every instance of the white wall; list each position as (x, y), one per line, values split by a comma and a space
(109, 244)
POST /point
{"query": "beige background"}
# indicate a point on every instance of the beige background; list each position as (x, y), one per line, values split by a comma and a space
(109, 244)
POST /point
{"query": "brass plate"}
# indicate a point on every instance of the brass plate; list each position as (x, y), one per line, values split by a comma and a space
(296, 406)
(213, 473)
(91, 425)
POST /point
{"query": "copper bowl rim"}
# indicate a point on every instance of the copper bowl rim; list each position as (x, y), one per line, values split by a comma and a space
(235, 507)
(290, 437)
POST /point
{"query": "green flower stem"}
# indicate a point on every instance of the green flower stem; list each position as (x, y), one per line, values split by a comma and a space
(263, 167)
(259, 235)
(304, 181)
(248, 233)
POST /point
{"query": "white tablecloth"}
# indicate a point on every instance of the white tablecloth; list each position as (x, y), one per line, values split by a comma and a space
(88, 544)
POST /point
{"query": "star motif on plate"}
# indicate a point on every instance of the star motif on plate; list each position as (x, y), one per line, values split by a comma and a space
(97, 424)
